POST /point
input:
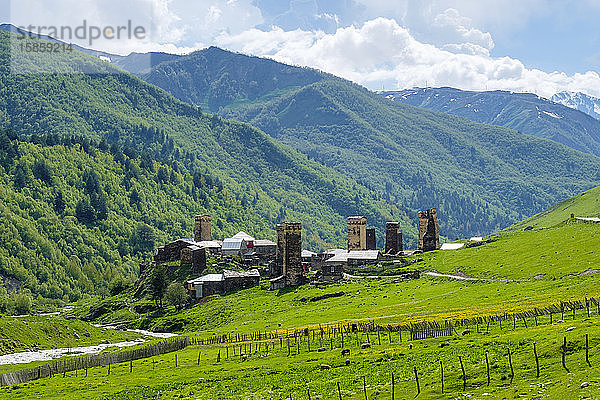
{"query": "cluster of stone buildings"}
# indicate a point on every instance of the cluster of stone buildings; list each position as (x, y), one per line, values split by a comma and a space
(285, 263)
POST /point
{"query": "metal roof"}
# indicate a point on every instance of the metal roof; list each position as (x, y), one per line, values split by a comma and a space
(452, 246)
(241, 274)
(232, 244)
(307, 253)
(209, 243)
(334, 251)
(264, 242)
(207, 278)
(355, 255)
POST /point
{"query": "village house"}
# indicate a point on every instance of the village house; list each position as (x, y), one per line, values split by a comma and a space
(308, 259)
(234, 247)
(333, 268)
(227, 281)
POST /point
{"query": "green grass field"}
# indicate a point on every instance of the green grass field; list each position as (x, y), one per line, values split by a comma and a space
(548, 253)
(275, 375)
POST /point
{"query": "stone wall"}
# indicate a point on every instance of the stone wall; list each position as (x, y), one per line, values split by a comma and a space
(277, 266)
(194, 256)
(292, 254)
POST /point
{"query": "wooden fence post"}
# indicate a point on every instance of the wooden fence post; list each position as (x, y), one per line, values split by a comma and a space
(442, 371)
(464, 377)
(564, 353)
(512, 372)
(487, 365)
(587, 351)
(537, 362)
(417, 380)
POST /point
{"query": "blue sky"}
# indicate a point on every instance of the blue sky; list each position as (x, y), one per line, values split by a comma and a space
(541, 46)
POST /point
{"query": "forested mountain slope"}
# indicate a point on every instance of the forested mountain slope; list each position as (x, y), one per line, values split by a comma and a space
(259, 181)
(480, 177)
(74, 216)
(214, 78)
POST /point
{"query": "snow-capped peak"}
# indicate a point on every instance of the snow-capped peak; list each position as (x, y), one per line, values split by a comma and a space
(579, 101)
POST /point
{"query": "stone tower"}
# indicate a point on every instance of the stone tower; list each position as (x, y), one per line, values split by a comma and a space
(429, 233)
(292, 253)
(371, 240)
(277, 267)
(357, 233)
(202, 228)
(393, 238)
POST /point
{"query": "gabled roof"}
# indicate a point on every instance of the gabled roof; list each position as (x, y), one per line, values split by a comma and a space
(363, 254)
(243, 235)
(211, 244)
(334, 251)
(307, 253)
(354, 255)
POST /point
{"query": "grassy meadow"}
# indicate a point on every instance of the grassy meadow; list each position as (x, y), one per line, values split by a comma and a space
(275, 375)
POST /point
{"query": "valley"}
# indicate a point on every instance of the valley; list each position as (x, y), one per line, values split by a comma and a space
(216, 225)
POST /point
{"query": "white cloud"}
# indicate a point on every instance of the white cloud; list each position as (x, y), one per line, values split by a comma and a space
(439, 42)
(382, 52)
(457, 33)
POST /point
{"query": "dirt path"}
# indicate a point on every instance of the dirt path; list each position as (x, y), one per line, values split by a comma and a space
(463, 277)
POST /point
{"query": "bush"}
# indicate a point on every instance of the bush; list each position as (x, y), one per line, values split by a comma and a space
(23, 303)
(117, 286)
(176, 295)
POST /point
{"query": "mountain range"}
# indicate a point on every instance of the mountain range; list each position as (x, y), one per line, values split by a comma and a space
(524, 112)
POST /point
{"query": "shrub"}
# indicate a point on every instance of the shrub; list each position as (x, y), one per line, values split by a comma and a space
(176, 295)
